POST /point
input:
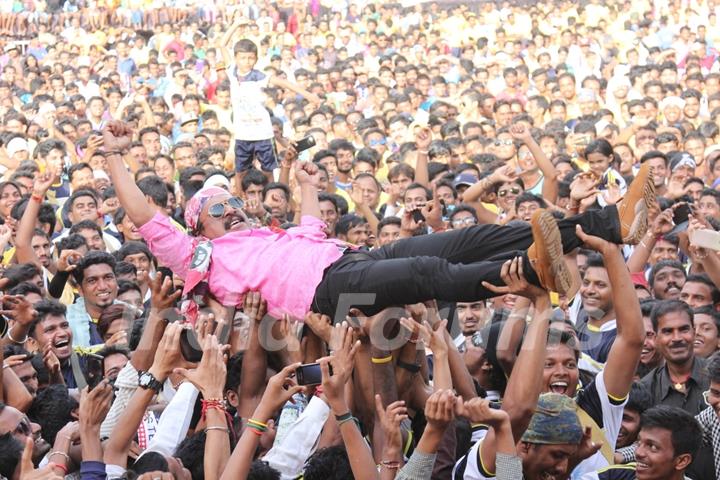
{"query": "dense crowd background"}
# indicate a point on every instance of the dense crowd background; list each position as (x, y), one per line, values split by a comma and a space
(125, 123)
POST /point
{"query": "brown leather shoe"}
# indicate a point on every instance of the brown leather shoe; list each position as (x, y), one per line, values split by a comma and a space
(633, 208)
(546, 253)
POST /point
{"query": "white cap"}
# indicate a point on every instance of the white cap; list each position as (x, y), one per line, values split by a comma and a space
(217, 180)
(17, 144)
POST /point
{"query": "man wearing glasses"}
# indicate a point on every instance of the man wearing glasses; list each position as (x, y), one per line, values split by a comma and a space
(299, 269)
(16, 423)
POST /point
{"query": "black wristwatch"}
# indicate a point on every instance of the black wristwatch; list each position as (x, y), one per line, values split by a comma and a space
(148, 381)
(410, 367)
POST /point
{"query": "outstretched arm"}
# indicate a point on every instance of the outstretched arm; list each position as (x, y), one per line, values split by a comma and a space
(282, 83)
(117, 137)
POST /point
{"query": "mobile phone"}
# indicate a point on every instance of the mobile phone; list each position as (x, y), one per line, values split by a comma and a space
(681, 213)
(304, 144)
(309, 374)
(189, 346)
(94, 370)
(418, 216)
(706, 238)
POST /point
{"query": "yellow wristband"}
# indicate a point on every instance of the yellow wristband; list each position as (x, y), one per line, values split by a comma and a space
(380, 361)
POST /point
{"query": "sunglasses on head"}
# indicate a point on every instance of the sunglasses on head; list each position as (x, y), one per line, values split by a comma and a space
(218, 210)
(503, 193)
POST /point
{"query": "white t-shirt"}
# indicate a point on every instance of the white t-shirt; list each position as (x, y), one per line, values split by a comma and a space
(251, 119)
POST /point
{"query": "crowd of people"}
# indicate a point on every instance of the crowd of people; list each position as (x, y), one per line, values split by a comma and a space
(335, 240)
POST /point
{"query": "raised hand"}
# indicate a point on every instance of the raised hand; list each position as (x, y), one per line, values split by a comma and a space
(161, 299)
(289, 157)
(478, 410)
(432, 211)
(390, 420)
(95, 404)
(440, 409)
(117, 136)
(595, 243)
(168, 355)
(423, 139)
(19, 309)
(210, 375)
(307, 173)
(254, 306)
(50, 360)
(43, 182)
(520, 132)
(68, 260)
(342, 366)
(583, 186)
(320, 325)
(280, 388)
(515, 282)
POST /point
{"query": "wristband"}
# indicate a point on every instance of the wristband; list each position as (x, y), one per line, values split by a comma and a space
(221, 429)
(63, 454)
(257, 423)
(345, 416)
(61, 467)
(37, 197)
(351, 419)
(380, 361)
(390, 465)
(18, 342)
(212, 403)
(410, 367)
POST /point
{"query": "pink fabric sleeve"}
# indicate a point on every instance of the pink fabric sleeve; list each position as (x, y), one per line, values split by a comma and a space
(310, 227)
(172, 247)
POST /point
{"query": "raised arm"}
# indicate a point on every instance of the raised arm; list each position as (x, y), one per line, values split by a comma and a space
(423, 138)
(624, 354)
(307, 175)
(280, 389)
(550, 184)
(167, 356)
(525, 384)
(26, 226)
(359, 454)
(116, 138)
(253, 375)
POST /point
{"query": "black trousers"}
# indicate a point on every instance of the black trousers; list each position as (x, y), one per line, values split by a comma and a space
(448, 266)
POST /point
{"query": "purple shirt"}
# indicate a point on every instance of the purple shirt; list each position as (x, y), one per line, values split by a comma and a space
(285, 266)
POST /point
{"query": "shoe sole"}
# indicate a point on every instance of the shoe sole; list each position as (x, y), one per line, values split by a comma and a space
(552, 244)
(639, 226)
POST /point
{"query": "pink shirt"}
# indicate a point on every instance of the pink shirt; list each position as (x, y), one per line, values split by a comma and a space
(284, 266)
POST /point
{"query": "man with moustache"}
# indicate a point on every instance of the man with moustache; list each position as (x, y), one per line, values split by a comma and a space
(681, 381)
(667, 278)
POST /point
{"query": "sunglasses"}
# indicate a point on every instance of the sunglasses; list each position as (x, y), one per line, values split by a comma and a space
(374, 143)
(514, 191)
(507, 143)
(464, 221)
(218, 210)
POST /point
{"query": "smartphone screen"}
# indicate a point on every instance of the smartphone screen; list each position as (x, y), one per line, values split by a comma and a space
(94, 370)
(309, 374)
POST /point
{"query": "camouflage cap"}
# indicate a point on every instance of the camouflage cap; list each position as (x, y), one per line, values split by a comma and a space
(555, 421)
